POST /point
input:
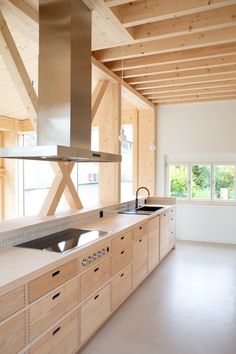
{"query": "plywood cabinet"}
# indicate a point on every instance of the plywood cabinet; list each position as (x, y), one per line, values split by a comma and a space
(61, 339)
(121, 285)
(11, 302)
(52, 307)
(59, 310)
(140, 259)
(153, 243)
(94, 312)
(13, 334)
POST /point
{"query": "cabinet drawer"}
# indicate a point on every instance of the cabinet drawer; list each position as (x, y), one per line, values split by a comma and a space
(121, 259)
(94, 254)
(12, 302)
(139, 260)
(140, 230)
(51, 280)
(13, 335)
(94, 312)
(121, 286)
(62, 339)
(45, 312)
(94, 278)
(121, 241)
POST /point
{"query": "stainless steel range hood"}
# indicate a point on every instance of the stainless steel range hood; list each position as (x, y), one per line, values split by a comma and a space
(64, 112)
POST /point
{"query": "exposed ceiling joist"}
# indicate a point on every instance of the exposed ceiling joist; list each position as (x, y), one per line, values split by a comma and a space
(179, 67)
(148, 11)
(193, 40)
(185, 81)
(111, 3)
(173, 57)
(223, 95)
(197, 100)
(188, 86)
(183, 74)
(204, 21)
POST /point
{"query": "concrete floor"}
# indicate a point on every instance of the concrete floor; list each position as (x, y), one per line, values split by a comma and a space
(186, 306)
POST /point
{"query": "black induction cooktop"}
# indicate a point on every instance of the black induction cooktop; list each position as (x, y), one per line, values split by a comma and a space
(64, 241)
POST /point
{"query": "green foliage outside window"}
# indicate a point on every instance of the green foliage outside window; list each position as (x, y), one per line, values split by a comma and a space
(201, 181)
(224, 179)
(179, 181)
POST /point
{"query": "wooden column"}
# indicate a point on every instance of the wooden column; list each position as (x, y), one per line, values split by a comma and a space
(10, 166)
(109, 118)
(1, 182)
(147, 156)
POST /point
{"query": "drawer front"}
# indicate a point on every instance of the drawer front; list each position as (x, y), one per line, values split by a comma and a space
(12, 302)
(140, 230)
(94, 278)
(121, 286)
(46, 282)
(45, 312)
(139, 260)
(94, 254)
(121, 259)
(94, 312)
(62, 339)
(13, 335)
(121, 241)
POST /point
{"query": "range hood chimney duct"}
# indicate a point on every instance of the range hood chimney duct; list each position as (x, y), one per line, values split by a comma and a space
(64, 110)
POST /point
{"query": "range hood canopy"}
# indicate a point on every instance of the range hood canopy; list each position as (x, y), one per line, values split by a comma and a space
(64, 109)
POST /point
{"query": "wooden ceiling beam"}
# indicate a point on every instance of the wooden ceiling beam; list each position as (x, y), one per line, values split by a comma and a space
(12, 124)
(185, 81)
(17, 70)
(179, 67)
(112, 3)
(204, 21)
(200, 91)
(187, 41)
(182, 74)
(208, 99)
(148, 11)
(223, 95)
(173, 57)
(25, 8)
(188, 86)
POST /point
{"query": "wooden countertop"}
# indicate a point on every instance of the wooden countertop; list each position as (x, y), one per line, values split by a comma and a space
(16, 264)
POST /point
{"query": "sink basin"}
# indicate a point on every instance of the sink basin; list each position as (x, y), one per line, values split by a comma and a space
(149, 208)
(144, 210)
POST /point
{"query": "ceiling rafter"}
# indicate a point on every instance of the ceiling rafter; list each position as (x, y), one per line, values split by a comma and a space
(148, 11)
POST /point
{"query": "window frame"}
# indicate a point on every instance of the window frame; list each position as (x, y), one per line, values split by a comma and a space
(189, 165)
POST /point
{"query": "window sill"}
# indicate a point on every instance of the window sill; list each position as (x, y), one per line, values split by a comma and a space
(206, 202)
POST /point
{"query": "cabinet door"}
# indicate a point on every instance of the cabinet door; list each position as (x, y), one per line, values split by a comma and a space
(48, 310)
(139, 260)
(153, 243)
(94, 312)
(121, 285)
(13, 335)
(164, 233)
(63, 338)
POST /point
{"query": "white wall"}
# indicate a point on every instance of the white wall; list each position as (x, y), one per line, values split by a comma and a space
(201, 129)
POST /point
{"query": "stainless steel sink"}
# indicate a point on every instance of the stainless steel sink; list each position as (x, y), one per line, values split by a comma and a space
(144, 210)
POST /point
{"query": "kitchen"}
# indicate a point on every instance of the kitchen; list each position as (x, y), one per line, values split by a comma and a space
(50, 301)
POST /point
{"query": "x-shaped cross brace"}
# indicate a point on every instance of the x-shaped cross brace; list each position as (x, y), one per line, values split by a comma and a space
(62, 183)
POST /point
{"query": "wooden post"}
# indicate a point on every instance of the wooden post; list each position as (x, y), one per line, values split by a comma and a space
(1, 182)
(147, 156)
(109, 119)
(9, 182)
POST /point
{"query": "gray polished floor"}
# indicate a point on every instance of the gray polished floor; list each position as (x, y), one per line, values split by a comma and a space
(186, 306)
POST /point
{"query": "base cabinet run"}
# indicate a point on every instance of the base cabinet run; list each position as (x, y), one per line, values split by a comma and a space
(58, 311)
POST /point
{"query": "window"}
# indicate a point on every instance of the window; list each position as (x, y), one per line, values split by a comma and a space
(201, 181)
(224, 188)
(179, 181)
(127, 164)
